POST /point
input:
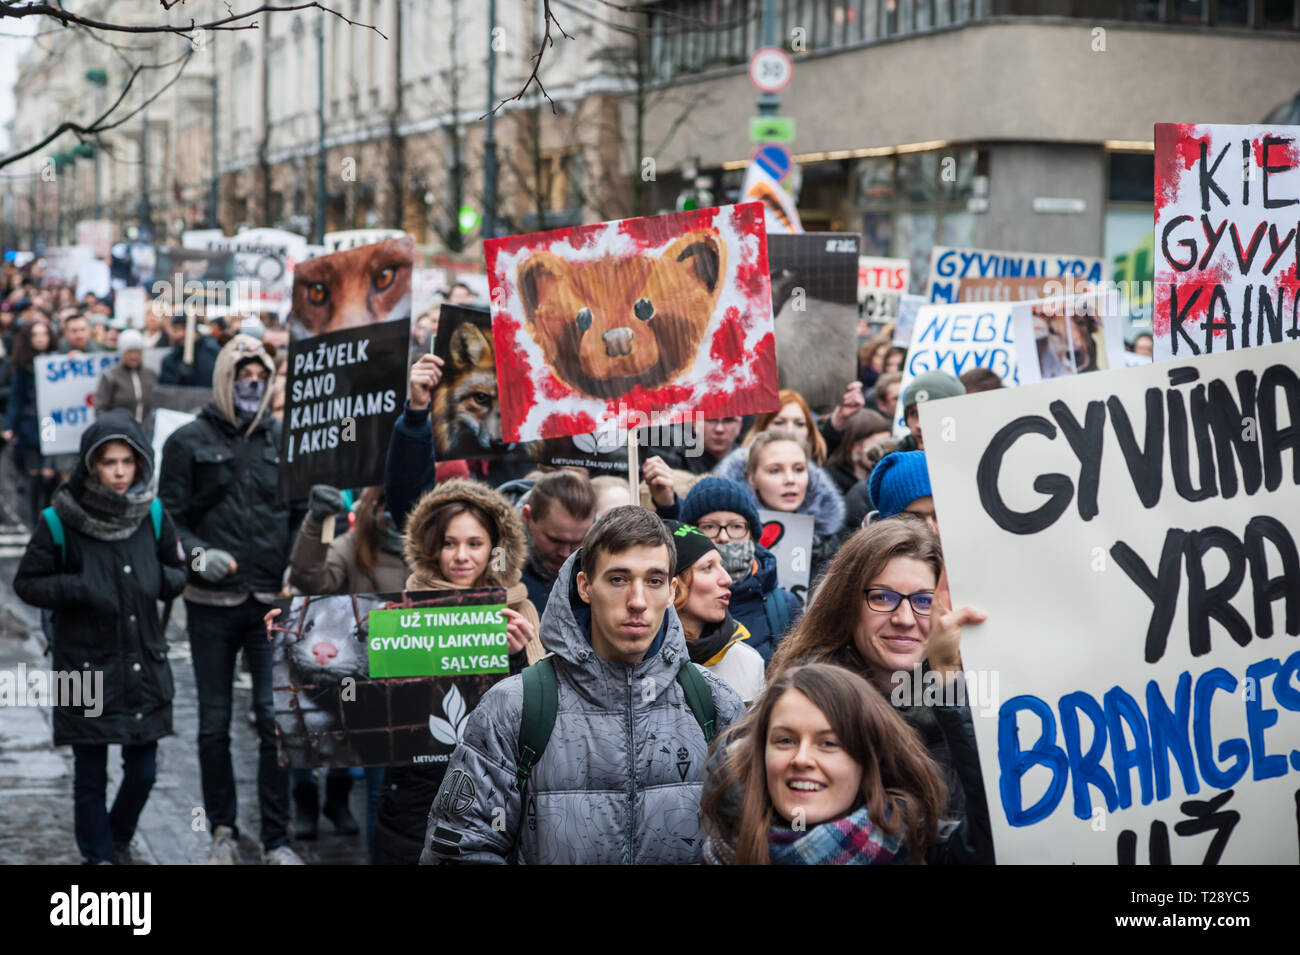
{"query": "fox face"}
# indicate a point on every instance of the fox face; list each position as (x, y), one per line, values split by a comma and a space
(465, 408)
(361, 286)
(610, 324)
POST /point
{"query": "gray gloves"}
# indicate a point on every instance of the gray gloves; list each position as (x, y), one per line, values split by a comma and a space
(323, 501)
(216, 565)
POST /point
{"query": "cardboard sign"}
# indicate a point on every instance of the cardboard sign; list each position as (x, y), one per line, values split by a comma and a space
(65, 394)
(193, 280)
(361, 286)
(815, 303)
(129, 306)
(63, 264)
(438, 641)
(602, 325)
(789, 538)
(881, 282)
(949, 267)
(165, 422)
(1061, 337)
(1227, 247)
(427, 286)
(1007, 290)
(466, 412)
(264, 263)
(908, 306)
(1132, 536)
(98, 235)
(329, 708)
(354, 238)
(958, 337)
(343, 395)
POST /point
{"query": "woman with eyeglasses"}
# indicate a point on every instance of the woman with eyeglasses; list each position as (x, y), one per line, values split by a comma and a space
(901, 631)
(724, 512)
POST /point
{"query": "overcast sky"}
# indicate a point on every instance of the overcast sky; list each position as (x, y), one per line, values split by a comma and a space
(12, 49)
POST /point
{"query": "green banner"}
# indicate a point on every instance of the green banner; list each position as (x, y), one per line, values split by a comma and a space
(438, 641)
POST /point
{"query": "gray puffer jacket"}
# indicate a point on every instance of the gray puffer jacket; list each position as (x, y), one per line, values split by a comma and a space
(620, 780)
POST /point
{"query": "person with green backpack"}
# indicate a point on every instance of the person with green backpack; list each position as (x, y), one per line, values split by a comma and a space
(595, 753)
(101, 557)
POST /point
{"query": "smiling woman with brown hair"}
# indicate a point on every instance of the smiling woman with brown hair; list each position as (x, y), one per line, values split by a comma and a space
(829, 774)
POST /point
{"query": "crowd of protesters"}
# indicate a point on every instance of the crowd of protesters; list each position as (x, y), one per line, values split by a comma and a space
(695, 710)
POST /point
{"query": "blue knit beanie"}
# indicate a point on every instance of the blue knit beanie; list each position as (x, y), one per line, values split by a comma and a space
(720, 494)
(898, 480)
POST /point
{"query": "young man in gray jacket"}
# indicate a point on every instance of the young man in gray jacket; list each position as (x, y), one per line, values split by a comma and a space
(619, 780)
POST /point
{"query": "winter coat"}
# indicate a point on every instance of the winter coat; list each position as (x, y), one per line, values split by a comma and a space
(221, 484)
(823, 502)
(410, 466)
(104, 597)
(200, 374)
(730, 656)
(316, 568)
(857, 505)
(20, 416)
(117, 389)
(409, 790)
(619, 782)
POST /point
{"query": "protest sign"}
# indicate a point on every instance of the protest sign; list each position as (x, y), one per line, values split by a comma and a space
(193, 280)
(132, 265)
(814, 279)
(343, 395)
(165, 422)
(331, 706)
(1227, 249)
(360, 286)
(949, 267)
(466, 413)
(264, 263)
(63, 263)
(427, 286)
(129, 306)
(789, 538)
(881, 282)
(98, 235)
(958, 337)
(1007, 290)
(908, 306)
(605, 324)
(65, 394)
(354, 238)
(1143, 608)
(438, 641)
(1066, 336)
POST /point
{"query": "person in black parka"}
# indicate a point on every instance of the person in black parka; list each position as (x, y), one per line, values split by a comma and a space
(120, 556)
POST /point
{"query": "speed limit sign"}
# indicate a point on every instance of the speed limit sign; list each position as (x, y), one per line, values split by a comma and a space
(770, 69)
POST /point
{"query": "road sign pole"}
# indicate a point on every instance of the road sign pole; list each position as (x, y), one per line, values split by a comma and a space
(769, 104)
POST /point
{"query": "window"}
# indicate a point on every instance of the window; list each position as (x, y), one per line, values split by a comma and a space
(1131, 177)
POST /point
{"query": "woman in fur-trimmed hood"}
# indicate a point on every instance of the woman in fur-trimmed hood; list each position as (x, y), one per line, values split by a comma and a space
(460, 534)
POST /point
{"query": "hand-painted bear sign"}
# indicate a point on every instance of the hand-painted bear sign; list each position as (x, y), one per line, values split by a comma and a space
(595, 325)
(1227, 246)
(1143, 610)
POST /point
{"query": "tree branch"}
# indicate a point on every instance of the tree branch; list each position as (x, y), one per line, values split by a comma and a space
(231, 22)
(548, 19)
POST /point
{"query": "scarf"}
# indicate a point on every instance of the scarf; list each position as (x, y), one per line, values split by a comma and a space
(850, 840)
(737, 559)
(715, 636)
(101, 513)
(536, 566)
(248, 399)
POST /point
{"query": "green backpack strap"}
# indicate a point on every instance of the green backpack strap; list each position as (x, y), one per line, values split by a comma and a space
(155, 512)
(699, 698)
(541, 703)
(55, 524)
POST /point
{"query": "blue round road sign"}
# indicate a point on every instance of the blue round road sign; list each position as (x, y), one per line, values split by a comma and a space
(773, 160)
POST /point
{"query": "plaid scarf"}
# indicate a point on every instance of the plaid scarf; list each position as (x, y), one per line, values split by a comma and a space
(851, 840)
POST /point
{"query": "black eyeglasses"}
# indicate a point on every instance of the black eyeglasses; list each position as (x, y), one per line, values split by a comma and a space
(736, 530)
(884, 600)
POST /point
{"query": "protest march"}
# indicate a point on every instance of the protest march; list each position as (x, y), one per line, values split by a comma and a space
(728, 522)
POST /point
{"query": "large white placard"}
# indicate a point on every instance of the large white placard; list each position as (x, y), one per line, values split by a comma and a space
(1227, 204)
(65, 394)
(1132, 536)
(948, 266)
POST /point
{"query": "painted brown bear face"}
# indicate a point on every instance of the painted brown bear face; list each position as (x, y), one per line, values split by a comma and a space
(368, 284)
(620, 321)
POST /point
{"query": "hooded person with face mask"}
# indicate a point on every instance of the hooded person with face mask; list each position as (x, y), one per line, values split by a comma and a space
(220, 478)
(724, 512)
